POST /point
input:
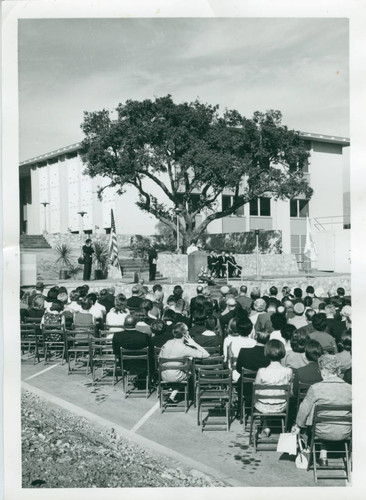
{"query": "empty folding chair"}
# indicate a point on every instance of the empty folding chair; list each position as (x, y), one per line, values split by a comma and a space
(214, 392)
(78, 348)
(29, 341)
(102, 358)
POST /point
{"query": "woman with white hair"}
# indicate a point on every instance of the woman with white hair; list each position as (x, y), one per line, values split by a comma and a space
(332, 390)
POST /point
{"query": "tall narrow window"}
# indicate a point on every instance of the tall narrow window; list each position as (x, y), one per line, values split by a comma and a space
(299, 208)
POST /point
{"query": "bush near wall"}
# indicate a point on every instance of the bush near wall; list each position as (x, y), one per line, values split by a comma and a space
(269, 242)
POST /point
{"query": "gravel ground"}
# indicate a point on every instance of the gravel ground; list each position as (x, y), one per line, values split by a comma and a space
(61, 450)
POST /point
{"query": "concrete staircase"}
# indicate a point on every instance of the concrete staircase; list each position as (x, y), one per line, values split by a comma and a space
(33, 241)
(130, 266)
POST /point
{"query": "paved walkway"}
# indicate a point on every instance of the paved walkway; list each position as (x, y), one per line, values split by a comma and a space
(224, 455)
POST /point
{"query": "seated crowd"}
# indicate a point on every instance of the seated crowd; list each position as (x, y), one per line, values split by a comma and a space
(292, 337)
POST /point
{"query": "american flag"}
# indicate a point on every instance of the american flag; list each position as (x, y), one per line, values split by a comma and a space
(113, 250)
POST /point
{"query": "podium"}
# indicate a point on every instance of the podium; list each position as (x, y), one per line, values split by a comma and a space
(196, 261)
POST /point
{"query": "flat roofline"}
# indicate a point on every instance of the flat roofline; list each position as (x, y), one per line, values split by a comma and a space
(344, 141)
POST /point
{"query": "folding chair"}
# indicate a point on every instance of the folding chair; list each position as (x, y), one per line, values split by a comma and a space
(263, 393)
(101, 357)
(139, 358)
(214, 390)
(214, 351)
(214, 362)
(78, 348)
(247, 377)
(338, 416)
(29, 341)
(301, 393)
(54, 341)
(165, 386)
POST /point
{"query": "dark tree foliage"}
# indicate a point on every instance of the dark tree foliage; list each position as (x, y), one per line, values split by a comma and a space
(192, 153)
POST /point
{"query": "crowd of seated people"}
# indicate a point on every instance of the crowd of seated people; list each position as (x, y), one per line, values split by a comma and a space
(280, 336)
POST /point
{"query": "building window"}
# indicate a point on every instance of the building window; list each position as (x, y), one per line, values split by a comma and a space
(260, 206)
(227, 202)
(299, 208)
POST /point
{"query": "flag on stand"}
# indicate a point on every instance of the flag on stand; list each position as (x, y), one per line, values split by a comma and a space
(310, 248)
(113, 249)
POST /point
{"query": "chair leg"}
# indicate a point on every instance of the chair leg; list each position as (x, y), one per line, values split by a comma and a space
(347, 464)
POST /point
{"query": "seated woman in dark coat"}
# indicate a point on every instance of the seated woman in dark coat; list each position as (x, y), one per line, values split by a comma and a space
(209, 338)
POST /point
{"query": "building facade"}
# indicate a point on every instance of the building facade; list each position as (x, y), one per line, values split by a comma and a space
(55, 196)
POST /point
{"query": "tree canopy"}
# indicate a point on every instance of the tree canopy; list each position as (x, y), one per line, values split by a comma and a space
(192, 153)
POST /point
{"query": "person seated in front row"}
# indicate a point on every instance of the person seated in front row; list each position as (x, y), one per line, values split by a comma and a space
(332, 390)
(159, 334)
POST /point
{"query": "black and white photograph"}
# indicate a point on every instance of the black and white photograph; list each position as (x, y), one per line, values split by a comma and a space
(179, 248)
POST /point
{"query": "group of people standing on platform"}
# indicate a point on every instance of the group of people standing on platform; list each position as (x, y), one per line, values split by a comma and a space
(223, 265)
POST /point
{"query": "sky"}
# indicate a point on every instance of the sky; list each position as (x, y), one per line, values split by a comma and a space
(67, 66)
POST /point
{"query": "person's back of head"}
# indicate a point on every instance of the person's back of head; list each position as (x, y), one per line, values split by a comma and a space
(313, 350)
(299, 308)
(85, 303)
(102, 294)
(341, 292)
(158, 327)
(287, 331)
(262, 337)
(274, 350)
(179, 305)
(120, 302)
(199, 289)
(179, 330)
(199, 317)
(309, 313)
(330, 310)
(244, 327)
(321, 307)
(232, 328)
(233, 291)
(319, 322)
(345, 343)
(178, 291)
(129, 322)
(308, 301)
(297, 293)
(82, 291)
(310, 289)
(169, 315)
(243, 289)
(62, 297)
(278, 320)
(273, 291)
(255, 294)
(224, 290)
(57, 306)
(146, 305)
(199, 301)
(298, 341)
(93, 297)
(171, 301)
(157, 288)
(210, 323)
(52, 294)
(136, 290)
(159, 296)
(288, 305)
(38, 302)
(111, 290)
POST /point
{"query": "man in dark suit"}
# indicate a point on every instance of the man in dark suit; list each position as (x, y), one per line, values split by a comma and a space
(211, 261)
(192, 304)
(234, 269)
(135, 301)
(153, 258)
(130, 338)
(221, 265)
(310, 373)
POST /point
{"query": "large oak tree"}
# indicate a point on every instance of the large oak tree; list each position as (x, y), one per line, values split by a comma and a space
(192, 152)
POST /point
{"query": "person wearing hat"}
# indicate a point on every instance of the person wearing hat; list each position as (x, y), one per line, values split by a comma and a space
(298, 320)
(134, 302)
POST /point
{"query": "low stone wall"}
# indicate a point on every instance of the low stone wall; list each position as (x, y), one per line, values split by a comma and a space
(173, 265)
(269, 264)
